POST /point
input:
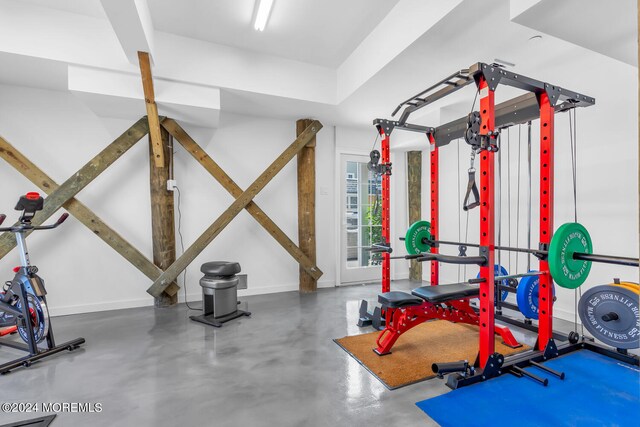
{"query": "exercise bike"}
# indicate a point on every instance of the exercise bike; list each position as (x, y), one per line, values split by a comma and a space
(23, 303)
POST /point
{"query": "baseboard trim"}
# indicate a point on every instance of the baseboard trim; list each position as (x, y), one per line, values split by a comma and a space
(193, 295)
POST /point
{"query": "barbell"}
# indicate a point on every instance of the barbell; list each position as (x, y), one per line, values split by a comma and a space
(570, 253)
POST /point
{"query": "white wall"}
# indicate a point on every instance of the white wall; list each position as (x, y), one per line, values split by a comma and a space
(59, 134)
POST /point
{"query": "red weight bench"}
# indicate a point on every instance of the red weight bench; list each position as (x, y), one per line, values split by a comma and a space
(444, 302)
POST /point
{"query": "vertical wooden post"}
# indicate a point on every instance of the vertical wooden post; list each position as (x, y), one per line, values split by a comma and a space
(307, 205)
(414, 183)
(162, 213)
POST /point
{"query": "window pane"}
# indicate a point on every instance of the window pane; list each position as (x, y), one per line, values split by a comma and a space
(363, 212)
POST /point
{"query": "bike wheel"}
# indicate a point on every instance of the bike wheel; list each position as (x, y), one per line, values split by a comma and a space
(39, 319)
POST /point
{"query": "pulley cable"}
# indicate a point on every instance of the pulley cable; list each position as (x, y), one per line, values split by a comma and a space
(509, 192)
(459, 204)
(577, 293)
(518, 194)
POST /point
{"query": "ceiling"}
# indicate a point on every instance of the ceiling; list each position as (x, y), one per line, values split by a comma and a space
(311, 31)
(438, 53)
(595, 25)
(82, 7)
(318, 32)
(19, 70)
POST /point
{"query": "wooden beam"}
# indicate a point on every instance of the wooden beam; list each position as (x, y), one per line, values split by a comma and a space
(239, 204)
(82, 213)
(152, 109)
(414, 184)
(256, 212)
(307, 205)
(82, 178)
(162, 215)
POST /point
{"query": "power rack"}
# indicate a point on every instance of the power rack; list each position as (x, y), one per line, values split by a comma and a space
(541, 101)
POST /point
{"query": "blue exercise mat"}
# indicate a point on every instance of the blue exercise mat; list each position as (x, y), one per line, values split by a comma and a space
(597, 391)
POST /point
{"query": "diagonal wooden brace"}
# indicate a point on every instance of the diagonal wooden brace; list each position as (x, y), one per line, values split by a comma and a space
(82, 178)
(256, 212)
(152, 109)
(82, 213)
(240, 203)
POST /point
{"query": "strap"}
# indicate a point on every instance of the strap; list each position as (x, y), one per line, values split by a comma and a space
(471, 188)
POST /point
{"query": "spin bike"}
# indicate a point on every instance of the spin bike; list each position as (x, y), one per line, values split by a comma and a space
(23, 304)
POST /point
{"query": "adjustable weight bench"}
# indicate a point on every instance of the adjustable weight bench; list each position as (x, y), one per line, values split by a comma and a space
(444, 302)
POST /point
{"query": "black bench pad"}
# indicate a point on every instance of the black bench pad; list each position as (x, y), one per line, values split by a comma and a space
(444, 293)
(397, 299)
(220, 268)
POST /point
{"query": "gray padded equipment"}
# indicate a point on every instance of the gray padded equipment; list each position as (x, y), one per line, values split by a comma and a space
(398, 299)
(220, 268)
(444, 293)
(219, 293)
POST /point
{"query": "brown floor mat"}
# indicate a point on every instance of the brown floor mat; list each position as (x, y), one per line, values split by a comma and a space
(416, 350)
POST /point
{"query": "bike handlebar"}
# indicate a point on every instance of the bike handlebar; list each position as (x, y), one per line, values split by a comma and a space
(24, 227)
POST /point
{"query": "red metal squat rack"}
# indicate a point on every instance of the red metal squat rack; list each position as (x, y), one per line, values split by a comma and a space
(542, 101)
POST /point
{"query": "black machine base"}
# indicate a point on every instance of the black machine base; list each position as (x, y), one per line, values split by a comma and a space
(28, 360)
(515, 364)
(529, 326)
(33, 422)
(219, 321)
(372, 318)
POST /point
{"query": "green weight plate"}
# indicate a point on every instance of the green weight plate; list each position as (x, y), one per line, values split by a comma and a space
(568, 239)
(416, 238)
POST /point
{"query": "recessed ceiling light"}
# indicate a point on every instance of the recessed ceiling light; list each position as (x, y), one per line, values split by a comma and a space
(262, 14)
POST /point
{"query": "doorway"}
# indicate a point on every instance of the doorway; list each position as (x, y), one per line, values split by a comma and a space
(361, 220)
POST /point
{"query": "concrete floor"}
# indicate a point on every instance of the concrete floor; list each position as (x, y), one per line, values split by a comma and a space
(151, 367)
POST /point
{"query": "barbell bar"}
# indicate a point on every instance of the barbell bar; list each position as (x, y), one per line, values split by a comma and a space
(604, 259)
(569, 254)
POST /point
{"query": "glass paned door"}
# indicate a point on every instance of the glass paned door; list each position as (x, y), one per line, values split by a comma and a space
(361, 211)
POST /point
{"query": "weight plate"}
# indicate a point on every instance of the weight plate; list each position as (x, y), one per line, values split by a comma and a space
(528, 297)
(416, 239)
(569, 238)
(499, 270)
(39, 318)
(612, 315)
(633, 287)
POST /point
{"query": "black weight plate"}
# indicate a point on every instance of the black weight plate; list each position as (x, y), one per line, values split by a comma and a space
(612, 315)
